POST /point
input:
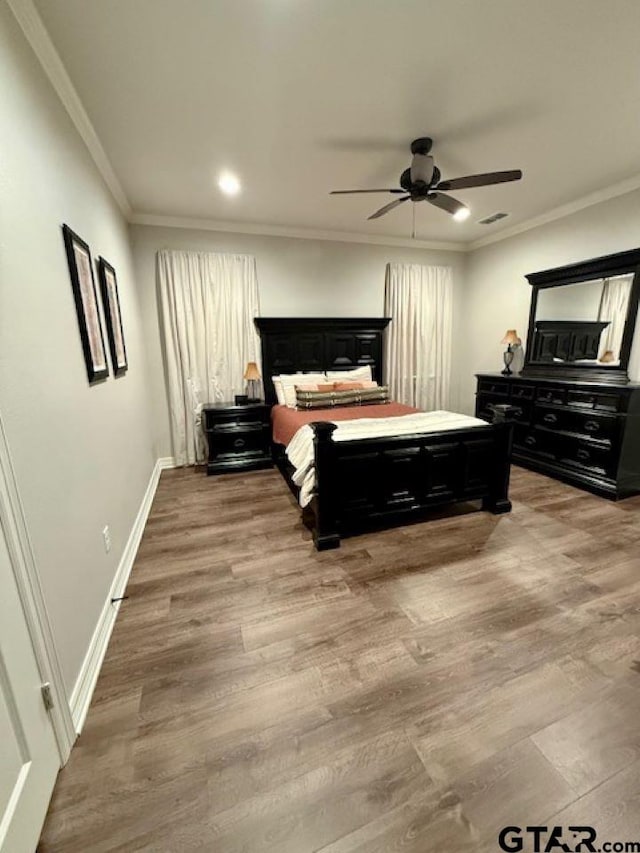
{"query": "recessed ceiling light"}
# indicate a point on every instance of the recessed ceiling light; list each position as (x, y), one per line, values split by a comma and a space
(461, 214)
(229, 184)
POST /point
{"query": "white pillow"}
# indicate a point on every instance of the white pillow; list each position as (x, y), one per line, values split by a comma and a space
(288, 382)
(358, 373)
(277, 387)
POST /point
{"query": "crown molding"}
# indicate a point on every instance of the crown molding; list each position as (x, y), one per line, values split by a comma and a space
(613, 191)
(36, 34)
(34, 30)
(185, 222)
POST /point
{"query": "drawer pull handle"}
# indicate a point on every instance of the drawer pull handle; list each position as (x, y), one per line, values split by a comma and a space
(592, 426)
(530, 440)
(583, 455)
(550, 418)
(239, 442)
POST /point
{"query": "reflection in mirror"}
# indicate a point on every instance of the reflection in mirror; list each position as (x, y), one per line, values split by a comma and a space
(582, 323)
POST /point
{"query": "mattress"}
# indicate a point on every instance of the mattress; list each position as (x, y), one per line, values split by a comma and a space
(286, 422)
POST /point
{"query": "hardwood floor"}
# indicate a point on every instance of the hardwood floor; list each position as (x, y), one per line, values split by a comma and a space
(416, 690)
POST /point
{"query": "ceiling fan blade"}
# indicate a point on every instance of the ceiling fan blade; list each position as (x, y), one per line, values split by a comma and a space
(388, 207)
(480, 180)
(445, 202)
(347, 192)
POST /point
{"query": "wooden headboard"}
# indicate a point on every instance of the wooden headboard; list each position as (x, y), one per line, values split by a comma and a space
(292, 344)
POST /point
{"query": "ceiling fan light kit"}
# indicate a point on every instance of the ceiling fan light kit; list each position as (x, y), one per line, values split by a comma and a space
(422, 182)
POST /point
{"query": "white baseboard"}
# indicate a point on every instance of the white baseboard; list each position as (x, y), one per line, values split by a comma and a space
(92, 663)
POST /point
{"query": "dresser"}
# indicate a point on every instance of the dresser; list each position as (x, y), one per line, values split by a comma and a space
(585, 433)
(238, 437)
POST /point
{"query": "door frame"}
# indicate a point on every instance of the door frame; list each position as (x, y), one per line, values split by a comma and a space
(21, 555)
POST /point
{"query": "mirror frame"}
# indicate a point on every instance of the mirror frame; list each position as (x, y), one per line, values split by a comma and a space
(602, 267)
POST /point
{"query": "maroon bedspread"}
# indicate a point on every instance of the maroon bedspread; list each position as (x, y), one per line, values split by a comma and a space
(286, 422)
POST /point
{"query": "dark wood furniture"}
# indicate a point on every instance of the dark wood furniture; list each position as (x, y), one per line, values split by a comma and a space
(318, 344)
(566, 340)
(584, 433)
(571, 344)
(393, 480)
(239, 437)
(579, 423)
(380, 481)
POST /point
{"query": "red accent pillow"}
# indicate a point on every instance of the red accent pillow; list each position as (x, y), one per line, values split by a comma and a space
(348, 386)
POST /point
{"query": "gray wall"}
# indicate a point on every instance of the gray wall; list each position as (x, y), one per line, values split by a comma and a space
(82, 455)
(497, 296)
(296, 277)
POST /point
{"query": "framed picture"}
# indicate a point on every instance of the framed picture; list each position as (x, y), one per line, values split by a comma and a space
(113, 318)
(84, 292)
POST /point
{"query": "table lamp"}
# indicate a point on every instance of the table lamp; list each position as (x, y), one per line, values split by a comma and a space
(512, 341)
(252, 375)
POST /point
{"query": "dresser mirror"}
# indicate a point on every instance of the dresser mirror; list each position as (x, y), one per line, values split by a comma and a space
(583, 317)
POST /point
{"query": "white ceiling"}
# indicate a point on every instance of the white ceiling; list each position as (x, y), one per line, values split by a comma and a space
(298, 97)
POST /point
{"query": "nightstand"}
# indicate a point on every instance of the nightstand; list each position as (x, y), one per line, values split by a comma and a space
(239, 437)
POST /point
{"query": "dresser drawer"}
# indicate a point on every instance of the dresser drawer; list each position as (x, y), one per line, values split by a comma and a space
(521, 392)
(588, 457)
(556, 396)
(522, 411)
(590, 424)
(484, 402)
(495, 387)
(535, 442)
(594, 400)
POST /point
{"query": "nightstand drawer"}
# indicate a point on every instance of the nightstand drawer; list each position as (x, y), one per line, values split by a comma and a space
(216, 419)
(236, 442)
(236, 426)
(239, 437)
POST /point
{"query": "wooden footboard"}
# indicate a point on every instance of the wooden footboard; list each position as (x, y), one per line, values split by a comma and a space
(390, 480)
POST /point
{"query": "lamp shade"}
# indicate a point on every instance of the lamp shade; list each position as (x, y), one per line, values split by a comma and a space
(252, 371)
(511, 337)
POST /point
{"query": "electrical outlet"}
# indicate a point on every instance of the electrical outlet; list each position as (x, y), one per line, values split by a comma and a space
(106, 535)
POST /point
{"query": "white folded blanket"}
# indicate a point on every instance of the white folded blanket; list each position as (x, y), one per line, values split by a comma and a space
(301, 453)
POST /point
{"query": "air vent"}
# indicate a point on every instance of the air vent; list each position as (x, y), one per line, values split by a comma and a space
(489, 220)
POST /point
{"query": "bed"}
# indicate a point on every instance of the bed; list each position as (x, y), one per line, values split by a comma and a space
(361, 480)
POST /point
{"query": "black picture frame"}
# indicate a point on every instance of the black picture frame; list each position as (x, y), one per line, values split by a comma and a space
(113, 316)
(87, 307)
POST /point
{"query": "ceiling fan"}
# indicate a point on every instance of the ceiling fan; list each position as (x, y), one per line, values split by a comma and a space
(421, 182)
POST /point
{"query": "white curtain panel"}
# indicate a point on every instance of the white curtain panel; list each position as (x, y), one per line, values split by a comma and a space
(419, 300)
(613, 307)
(207, 302)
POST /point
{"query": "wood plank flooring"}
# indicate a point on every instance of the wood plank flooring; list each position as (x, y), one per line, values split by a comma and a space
(414, 691)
